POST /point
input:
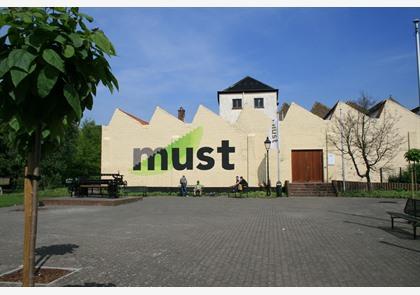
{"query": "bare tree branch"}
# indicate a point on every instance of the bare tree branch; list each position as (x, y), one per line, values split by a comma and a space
(370, 142)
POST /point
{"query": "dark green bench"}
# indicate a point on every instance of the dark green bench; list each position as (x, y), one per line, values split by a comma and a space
(235, 194)
(411, 214)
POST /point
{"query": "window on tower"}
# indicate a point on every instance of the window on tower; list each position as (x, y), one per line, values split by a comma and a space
(236, 103)
(259, 103)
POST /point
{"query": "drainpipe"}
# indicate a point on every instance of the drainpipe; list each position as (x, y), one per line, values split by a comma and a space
(416, 26)
(342, 153)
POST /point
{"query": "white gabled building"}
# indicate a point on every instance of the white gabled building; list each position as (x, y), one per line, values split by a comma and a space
(247, 93)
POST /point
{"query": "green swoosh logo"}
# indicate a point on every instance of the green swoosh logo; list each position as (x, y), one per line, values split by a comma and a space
(191, 140)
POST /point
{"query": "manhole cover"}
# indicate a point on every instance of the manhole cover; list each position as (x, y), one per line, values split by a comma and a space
(388, 202)
(45, 275)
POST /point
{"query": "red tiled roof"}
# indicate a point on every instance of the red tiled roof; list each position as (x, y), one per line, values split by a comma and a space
(142, 122)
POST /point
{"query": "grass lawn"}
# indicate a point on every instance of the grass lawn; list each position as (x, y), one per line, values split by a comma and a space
(7, 200)
(381, 194)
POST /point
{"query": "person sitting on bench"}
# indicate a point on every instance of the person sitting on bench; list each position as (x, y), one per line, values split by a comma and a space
(236, 185)
(243, 184)
(198, 189)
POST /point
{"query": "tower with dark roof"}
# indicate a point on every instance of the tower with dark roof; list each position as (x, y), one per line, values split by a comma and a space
(247, 93)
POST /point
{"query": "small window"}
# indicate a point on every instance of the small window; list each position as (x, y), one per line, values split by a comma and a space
(236, 103)
(259, 103)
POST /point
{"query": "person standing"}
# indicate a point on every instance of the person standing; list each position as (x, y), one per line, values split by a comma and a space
(183, 182)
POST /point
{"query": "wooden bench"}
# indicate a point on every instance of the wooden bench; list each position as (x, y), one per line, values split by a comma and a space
(190, 190)
(5, 184)
(236, 193)
(411, 214)
(105, 184)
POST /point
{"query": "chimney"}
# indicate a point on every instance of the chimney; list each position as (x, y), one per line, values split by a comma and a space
(181, 114)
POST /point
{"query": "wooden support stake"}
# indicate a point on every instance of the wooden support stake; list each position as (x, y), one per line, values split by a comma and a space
(411, 170)
(31, 211)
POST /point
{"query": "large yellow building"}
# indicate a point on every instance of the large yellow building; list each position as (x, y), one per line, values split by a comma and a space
(215, 148)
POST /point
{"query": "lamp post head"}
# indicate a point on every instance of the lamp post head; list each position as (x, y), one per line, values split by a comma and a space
(267, 143)
(416, 20)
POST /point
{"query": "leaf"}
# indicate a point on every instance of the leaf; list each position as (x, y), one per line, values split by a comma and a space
(73, 99)
(83, 53)
(103, 43)
(46, 80)
(12, 95)
(20, 58)
(4, 67)
(32, 68)
(52, 57)
(68, 51)
(88, 17)
(38, 14)
(89, 102)
(60, 39)
(45, 133)
(14, 123)
(2, 20)
(77, 41)
(17, 76)
(83, 26)
(26, 18)
(48, 27)
(114, 80)
(13, 35)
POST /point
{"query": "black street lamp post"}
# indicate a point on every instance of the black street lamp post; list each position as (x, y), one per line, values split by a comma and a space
(267, 144)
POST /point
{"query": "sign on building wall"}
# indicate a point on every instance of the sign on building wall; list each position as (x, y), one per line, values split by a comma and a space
(273, 134)
(179, 155)
(331, 159)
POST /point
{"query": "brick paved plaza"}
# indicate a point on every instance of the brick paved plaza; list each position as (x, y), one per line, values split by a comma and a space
(174, 241)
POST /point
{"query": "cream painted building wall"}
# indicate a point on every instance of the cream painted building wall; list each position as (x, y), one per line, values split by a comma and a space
(124, 133)
(299, 130)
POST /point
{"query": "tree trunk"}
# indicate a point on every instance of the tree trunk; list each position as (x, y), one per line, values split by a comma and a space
(369, 183)
(31, 210)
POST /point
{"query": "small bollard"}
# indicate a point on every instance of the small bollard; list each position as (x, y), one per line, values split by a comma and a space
(278, 189)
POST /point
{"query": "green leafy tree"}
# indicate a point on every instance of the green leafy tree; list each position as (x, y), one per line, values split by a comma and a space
(87, 160)
(405, 175)
(58, 162)
(11, 162)
(413, 155)
(50, 66)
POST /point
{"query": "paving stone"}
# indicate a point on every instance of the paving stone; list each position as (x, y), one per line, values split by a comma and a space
(173, 241)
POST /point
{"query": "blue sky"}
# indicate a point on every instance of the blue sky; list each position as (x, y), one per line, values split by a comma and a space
(171, 57)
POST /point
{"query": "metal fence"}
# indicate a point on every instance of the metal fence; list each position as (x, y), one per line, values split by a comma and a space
(352, 186)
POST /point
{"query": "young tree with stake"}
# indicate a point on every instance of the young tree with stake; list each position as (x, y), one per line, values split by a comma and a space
(50, 66)
(412, 156)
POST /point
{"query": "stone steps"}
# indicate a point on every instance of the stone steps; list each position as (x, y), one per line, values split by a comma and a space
(311, 190)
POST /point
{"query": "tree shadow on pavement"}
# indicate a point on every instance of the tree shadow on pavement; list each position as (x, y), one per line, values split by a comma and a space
(396, 232)
(359, 215)
(46, 252)
(399, 246)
